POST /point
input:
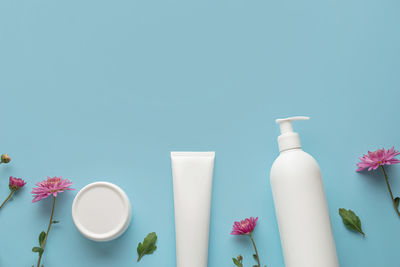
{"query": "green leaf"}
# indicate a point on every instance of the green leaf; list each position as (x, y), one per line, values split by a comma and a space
(42, 236)
(148, 246)
(351, 220)
(255, 256)
(236, 262)
(37, 250)
(397, 201)
(55, 221)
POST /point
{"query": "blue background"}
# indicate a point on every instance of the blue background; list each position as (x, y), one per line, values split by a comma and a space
(104, 90)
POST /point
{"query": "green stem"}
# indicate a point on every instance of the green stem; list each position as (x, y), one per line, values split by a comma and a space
(255, 248)
(48, 230)
(390, 191)
(9, 196)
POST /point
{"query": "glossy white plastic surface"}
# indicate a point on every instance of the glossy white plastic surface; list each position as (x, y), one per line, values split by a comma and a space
(192, 178)
(301, 208)
(288, 138)
(101, 211)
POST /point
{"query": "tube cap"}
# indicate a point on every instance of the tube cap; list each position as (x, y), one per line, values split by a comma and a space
(289, 139)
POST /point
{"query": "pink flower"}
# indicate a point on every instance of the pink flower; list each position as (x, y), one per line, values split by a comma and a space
(51, 186)
(378, 158)
(244, 227)
(16, 183)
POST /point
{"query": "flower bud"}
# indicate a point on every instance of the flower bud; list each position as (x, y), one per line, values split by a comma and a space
(5, 158)
(16, 183)
(239, 258)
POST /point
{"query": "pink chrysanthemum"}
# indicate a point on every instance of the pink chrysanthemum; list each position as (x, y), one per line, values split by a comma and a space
(244, 227)
(51, 186)
(378, 158)
(16, 183)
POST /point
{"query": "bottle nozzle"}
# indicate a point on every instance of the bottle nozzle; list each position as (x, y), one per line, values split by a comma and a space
(286, 124)
(289, 139)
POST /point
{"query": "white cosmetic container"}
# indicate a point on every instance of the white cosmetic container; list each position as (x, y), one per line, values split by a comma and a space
(101, 211)
(192, 179)
(300, 204)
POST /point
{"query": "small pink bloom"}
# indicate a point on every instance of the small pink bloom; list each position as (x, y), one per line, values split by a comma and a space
(16, 183)
(51, 186)
(244, 227)
(378, 158)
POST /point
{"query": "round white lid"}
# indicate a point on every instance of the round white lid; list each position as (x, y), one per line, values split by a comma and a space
(101, 211)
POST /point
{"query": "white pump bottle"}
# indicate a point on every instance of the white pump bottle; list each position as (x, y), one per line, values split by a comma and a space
(300, 204)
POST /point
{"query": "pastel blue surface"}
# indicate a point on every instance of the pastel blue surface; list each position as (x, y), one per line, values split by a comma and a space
(104, 90)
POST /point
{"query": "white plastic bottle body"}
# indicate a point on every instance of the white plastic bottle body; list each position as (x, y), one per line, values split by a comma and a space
(302, 211)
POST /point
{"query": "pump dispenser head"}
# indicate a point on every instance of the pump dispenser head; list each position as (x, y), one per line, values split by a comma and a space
(289, 139)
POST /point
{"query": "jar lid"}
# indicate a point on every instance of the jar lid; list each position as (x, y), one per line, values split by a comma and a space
(101, 211)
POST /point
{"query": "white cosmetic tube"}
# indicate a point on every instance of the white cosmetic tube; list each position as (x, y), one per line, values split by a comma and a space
(192, 174)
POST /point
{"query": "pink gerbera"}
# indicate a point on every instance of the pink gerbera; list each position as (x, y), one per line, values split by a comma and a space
(51, 186)
(378, 158)
(244, 227)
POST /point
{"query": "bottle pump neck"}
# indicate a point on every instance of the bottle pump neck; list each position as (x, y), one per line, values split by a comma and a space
(289, 139)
